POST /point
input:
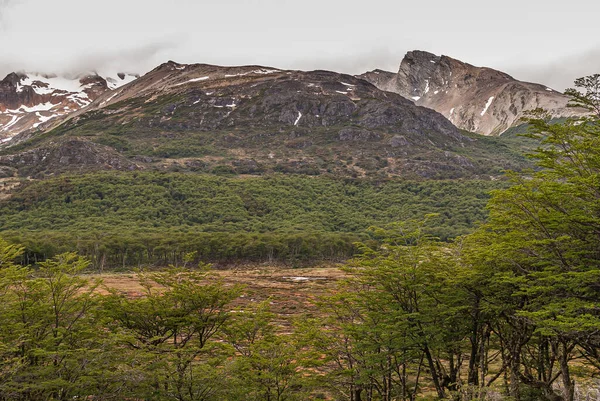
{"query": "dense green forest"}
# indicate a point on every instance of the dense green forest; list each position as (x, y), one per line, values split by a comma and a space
(133, 219)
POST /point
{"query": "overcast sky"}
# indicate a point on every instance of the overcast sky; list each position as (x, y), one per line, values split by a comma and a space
(547, 41)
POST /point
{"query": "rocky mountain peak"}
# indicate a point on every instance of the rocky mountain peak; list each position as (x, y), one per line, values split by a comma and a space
(169, 66)
(477, 99)
(29, 100)
(13, 78)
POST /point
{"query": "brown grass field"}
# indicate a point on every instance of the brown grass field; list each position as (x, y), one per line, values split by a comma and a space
(291, 292)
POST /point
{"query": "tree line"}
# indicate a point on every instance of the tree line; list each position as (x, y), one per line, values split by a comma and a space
(135, 219)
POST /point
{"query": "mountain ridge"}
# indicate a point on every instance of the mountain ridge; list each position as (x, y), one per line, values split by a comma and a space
(255, 119)
(29, 100)
(476, 99)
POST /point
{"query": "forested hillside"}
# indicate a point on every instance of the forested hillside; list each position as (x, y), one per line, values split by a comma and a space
(124, 219)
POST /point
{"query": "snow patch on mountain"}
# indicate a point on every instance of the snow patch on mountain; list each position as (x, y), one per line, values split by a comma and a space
(43, 119)
(193, 80)
(44, 84)
(487, 105)
(32, 99)
(115, 80)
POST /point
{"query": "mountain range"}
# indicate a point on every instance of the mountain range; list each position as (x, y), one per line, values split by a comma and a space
(417, 123)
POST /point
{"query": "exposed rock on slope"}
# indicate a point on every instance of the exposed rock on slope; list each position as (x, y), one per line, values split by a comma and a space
(68, 154)
(221, 97)
(253, 120)
(27, 101)
(476, 99)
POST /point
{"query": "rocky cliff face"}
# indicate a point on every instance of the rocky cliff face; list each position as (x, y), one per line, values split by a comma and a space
(28, 101)
(476, 99)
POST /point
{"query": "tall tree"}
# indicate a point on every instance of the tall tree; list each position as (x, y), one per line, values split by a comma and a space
(47, 317)
(172, 326)
(543, 249)
(400, 321)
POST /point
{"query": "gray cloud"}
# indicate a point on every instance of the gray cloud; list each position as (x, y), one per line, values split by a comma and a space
(562, 72)
(359, 62)
(4, 5)
(131, 59)
(350, 36)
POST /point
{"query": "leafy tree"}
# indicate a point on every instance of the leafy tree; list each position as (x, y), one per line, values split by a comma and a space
(269, 365)
(398, 321)
(589, 98)
(540, 249)
(47, 321)
(171, 326)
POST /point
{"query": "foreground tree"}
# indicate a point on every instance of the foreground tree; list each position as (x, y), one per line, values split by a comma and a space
(541, 249)
(169, 330)
(268, 365)
(47, 321)
(586, 94)
(400, 323)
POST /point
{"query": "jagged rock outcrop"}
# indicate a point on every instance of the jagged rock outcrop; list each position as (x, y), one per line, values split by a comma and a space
(476, 99)
(67, 154)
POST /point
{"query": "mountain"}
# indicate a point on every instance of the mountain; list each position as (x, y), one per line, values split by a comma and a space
(475, 99)
(29, 100)
(256, 120)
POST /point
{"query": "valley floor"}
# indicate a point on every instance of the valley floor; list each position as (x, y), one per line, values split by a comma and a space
(292, 291)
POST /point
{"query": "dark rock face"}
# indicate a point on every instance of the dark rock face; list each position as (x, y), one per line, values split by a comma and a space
(398, 141)
(67, 155)
(476, 99)
(10, 97)
(357, 134)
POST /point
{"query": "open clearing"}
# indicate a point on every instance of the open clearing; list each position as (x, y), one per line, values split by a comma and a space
(291, 291)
